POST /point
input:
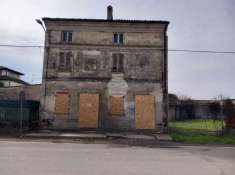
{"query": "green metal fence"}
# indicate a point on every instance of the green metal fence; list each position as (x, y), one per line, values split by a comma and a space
(10, 112)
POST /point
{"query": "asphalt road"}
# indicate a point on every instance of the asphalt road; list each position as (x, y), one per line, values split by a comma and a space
(46, 158)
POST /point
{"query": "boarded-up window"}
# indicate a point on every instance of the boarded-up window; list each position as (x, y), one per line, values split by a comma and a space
(145, 112)
(62, 102)
(118, 63)
(116, 105)
(65, 61)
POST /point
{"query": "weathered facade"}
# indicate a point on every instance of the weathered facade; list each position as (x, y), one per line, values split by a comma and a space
(32, 92)
(104, 74)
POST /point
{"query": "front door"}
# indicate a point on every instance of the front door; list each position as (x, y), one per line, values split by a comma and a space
(88, 110)
(144, 112)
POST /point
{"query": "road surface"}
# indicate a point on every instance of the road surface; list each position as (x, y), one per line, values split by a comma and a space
(47, 158)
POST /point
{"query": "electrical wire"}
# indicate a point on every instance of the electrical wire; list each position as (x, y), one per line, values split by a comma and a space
(170, 50)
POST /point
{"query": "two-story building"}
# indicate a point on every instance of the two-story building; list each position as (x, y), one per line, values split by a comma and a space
(104, 74)
(9, 77)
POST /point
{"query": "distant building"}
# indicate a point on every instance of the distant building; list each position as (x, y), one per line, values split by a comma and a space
(105, 74)
(192, 109)
(9, 77)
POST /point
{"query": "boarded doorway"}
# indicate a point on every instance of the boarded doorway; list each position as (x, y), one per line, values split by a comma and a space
(62, 103)
(88, 110)
(144, 112)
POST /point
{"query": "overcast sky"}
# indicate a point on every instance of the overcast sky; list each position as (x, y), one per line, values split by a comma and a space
(194, 24)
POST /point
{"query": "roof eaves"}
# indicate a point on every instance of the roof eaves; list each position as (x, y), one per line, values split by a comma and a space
(6, 68)
(104, 20)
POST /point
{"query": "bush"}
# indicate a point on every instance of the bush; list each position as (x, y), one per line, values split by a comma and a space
(214, 109)
(229, 112)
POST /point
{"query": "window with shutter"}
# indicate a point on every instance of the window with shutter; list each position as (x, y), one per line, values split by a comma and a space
(68, 61)
(118, 63)
(61, 62)
(65, 61)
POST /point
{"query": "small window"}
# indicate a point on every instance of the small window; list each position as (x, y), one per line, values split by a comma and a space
(116, 105)
(66, 36)
(118, 38)
(118, 63)
(65, 61)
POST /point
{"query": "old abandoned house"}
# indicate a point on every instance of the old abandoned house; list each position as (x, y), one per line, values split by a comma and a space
(104, 74)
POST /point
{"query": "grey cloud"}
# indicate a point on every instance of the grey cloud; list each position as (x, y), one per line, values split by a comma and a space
(201, 24)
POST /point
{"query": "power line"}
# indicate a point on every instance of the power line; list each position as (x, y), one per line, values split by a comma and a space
(25, 46)
(201, 51)
(170, 50)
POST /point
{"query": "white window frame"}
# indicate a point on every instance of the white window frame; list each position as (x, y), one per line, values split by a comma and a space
(118, 38)
(66, 39)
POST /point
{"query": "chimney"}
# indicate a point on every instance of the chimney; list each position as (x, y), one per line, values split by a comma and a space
(109, 12)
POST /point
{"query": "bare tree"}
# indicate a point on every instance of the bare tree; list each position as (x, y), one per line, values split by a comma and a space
(220, 99)
(229, 112)
(184, 97)
(215, 109)
(187, 107)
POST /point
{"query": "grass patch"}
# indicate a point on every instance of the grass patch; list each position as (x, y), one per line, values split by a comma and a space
(199, 131)
(198, 124)
(203, 138)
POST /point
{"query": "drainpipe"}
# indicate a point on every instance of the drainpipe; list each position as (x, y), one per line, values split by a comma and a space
(46, 51)
(165, 76)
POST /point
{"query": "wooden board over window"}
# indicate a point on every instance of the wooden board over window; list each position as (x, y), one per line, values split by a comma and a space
(144, 112)
(88, 110)
(116, 105)
(62, 102)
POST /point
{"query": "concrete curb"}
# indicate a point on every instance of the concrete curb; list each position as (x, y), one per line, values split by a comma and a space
(97, 136)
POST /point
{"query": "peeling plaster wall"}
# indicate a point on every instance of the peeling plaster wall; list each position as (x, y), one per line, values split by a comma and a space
(139, 64)
(32, 92)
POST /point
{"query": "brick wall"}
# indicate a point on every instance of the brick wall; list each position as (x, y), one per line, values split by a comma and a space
(32, 92)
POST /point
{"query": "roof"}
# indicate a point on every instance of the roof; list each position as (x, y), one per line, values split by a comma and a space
(104, 20)
(11, 70)
(13, 79)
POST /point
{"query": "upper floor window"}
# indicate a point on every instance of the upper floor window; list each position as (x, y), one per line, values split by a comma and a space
(66, 36)
(118, 63)
(118, 38)
(65, 61)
